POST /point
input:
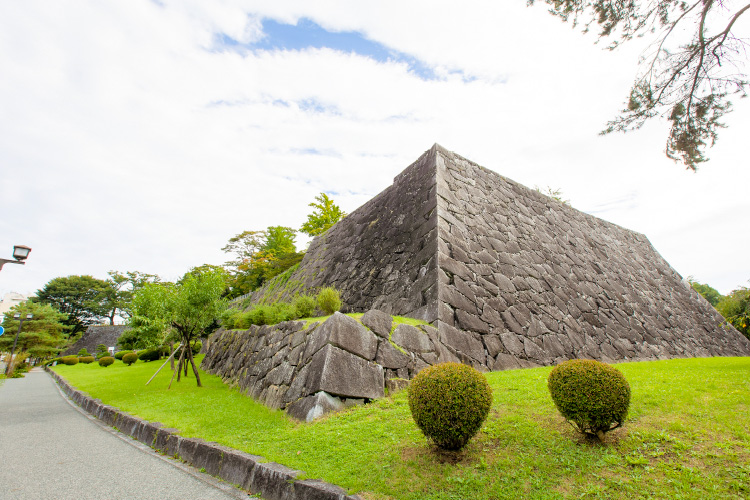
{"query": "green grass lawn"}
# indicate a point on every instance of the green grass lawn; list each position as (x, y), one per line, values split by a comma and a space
(687, 435)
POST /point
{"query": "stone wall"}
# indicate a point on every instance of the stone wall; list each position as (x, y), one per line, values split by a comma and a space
(326, 366)
(537, 282)
(509, 277)
(95, 335)
(381, 256)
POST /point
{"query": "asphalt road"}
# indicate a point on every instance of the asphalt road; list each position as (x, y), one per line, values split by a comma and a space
(50, 449)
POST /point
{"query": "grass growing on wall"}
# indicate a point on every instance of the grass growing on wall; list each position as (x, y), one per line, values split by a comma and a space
(687, 435)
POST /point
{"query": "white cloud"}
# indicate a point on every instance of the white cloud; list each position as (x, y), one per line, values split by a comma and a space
(133, 144)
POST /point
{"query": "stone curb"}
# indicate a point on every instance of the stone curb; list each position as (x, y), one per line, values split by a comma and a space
(251, 472)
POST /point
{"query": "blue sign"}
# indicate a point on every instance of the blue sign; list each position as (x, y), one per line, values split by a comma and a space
(2, 330)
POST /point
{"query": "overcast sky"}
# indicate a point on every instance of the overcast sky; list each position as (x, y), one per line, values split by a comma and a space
(142, 135)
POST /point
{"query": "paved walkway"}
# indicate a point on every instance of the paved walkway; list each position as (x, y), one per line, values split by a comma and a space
(51, 449)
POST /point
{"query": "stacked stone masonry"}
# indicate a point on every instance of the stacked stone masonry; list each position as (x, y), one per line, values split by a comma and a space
(508, 276)
(95, 335)
(326, 366)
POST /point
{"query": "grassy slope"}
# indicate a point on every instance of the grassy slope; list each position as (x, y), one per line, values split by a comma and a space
(687, 435)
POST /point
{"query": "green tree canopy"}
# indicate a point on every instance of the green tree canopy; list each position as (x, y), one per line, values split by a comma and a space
(325, 215)
(189, 308)
(81, 298)
(710, 294)
(735, 307)
(118, 296)
(260, 255)
(686, 79)
(41, 336)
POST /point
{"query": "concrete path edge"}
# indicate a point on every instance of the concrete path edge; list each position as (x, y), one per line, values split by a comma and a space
(250, 472)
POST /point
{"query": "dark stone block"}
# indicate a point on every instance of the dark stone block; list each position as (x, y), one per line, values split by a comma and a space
(273, 481)
(237, 466)
(412, 339)
(341, 373)
(390, 357)
(315, 406)
(147, 432)
(163, 435)
(208, 456)
(463, 342)
(378, 321)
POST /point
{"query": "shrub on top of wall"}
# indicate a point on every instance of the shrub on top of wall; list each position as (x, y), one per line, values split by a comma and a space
(305, 306)
(329, 300)
(83, 352)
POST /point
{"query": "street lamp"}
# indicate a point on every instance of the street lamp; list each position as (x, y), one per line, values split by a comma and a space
(20, 253)
(8, 370)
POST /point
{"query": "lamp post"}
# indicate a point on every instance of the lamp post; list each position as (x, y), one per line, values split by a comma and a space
(20, 253)
(8, 369)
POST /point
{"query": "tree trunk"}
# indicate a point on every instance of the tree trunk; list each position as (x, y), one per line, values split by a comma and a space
(177, 372)
(171, 360)
(195, 368)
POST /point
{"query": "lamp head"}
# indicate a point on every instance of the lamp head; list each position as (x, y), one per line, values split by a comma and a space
(21, 252)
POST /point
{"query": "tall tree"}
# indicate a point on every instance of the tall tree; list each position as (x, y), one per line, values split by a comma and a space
(82, 298)
(260, 255)
(688, 82)
(41, 336)
(735, 307)
(325, 215)
(189, 307)
(118, 296)
(709, 293)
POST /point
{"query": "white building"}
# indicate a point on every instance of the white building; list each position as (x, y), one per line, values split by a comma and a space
(10, 300)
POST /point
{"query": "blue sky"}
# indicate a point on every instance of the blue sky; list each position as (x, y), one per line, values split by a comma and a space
(306, 34)
(142, 136)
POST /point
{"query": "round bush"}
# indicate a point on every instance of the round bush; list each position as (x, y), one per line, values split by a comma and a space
(592, 395)
(86, 359)
(329, 300)
(106, 361)
(130, 358)
(120, 354)
(449, 402)
(70, 360)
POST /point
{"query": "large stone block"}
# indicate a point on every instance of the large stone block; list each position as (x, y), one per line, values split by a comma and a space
(341, 373)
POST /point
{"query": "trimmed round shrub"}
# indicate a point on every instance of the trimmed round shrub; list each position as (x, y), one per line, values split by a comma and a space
(449, 402)
(149, 354)
(592, 395)
(106, 361)
(329, 300)
(305, 306)
(86, 359)
(130, 358)
(70, 360)
(120, 354)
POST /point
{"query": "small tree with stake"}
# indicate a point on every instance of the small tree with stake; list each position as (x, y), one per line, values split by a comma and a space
(188, 307)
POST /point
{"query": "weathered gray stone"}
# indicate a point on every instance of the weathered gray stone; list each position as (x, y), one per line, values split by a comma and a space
(390, 357)
(412, 339)
(338, 372)
(378, 321)
(396, 384)
(313, 407)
